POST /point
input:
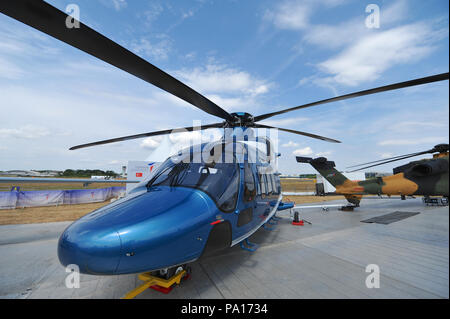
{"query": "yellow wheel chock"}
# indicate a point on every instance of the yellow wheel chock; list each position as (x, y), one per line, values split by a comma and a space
(150, 280)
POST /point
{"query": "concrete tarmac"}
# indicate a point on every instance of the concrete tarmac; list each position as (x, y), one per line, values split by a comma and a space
(327, 259)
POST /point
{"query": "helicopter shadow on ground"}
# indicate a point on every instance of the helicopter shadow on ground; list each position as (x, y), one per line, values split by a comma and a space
(235, 272)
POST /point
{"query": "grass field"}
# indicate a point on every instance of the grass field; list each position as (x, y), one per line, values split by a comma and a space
(6, 187)
(48, 214)
(298, 185)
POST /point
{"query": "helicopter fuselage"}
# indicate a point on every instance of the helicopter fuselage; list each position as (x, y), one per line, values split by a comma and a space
(173, 219)
(427, 177)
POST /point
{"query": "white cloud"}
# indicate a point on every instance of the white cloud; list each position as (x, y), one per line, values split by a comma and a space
(342, 34)
(292, 15)
(116, 4)
(290, 144)
(119, 4)
(295, 14)
(329, 36)
(364, 54)
(369, 57)
(155, 50)
(150, 15)
(27, 132)
(190, 55)
(215, 78)
(25, 40)
(231, 88)
(187, 14)
(230, 103)
(303, 151)
(394, 12)
(386, 155)
(151, 143)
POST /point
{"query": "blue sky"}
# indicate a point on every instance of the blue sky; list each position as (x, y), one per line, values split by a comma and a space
(254, 56)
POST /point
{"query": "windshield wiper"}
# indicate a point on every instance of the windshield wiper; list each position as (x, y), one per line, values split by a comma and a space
(175, 174)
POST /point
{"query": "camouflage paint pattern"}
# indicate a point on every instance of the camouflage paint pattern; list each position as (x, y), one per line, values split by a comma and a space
(423, 177)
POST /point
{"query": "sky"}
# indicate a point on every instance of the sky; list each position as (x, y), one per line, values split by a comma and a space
(255, 56)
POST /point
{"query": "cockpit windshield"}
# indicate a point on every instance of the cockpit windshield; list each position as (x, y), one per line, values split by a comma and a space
(219, 180)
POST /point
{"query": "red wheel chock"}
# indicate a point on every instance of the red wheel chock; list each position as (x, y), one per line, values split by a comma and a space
(299, 223)
(165, 290)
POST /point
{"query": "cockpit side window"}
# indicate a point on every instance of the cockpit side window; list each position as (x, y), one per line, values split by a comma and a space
(218, 180)
(227, 201)
(266, 185)
(274, 184)
(262, 185)
(249, 183)
(269, 185)
(258, 185)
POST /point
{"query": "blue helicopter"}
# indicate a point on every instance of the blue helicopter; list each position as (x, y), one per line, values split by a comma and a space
(185, 210)
(188, 208)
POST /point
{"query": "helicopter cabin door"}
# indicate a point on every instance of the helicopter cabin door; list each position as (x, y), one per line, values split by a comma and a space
(246, 205)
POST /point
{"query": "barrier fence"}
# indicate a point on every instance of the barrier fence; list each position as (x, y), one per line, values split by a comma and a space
(19, 199)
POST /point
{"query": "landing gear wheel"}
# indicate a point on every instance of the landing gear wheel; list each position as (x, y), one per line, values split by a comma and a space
(178, 270)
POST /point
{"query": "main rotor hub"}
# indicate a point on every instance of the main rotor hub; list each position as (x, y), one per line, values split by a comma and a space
(241, 119)
(441, 148)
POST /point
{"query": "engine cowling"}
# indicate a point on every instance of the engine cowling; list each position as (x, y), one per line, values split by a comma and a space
(430, 168)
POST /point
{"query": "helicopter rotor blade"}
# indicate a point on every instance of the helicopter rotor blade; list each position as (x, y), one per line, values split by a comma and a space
(48, 19)
(386, 159)
(156, 133)
(390, 87)
(385, 162)
(299, 133)
(439, 148)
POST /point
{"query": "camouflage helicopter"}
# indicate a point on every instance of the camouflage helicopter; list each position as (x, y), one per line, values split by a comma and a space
(426, 177)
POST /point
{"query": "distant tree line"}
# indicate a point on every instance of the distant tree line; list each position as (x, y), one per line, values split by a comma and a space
(307, 175)
(87, 173)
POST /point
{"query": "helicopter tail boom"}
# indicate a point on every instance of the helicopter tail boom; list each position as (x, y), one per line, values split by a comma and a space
(326, 169)
(343, 185)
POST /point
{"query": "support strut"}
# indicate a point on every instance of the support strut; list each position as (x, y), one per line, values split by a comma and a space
(250, 246)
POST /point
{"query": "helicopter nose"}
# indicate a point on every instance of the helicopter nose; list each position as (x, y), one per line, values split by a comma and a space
(94, 251)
